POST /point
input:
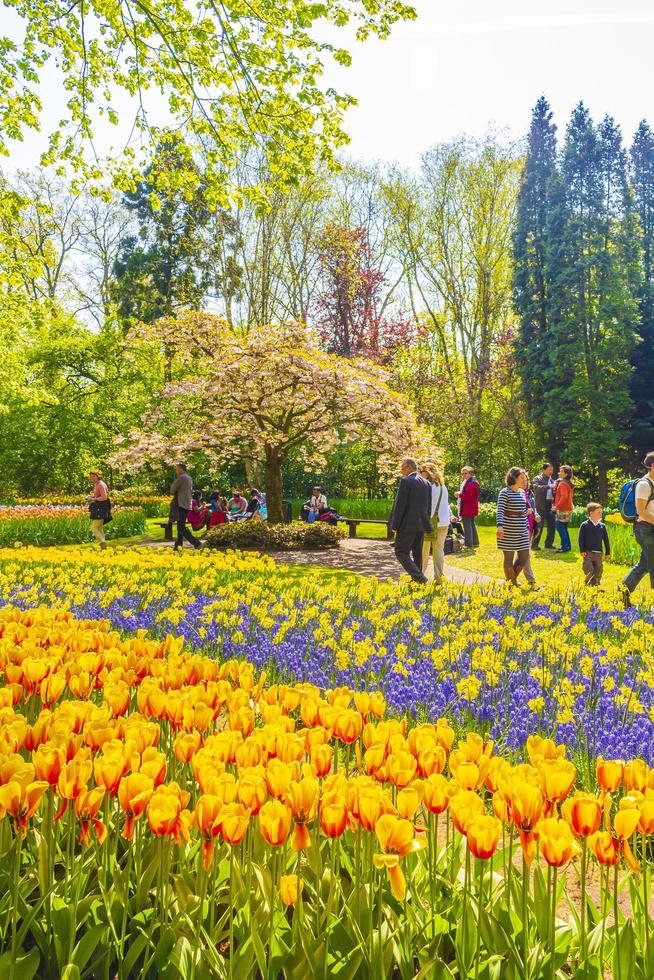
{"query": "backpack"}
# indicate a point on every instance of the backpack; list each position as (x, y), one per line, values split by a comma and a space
(627, 501)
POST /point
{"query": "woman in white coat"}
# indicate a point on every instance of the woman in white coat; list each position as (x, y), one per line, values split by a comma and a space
(440, 520)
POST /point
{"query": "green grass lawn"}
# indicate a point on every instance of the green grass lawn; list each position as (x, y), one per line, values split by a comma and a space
(550, 569)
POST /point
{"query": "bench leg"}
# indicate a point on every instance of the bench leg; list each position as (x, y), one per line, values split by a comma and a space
(353, 530)
(389, 533)
(168, 532)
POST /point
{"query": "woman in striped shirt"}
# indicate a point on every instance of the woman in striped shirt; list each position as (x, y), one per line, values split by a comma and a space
(513, 524)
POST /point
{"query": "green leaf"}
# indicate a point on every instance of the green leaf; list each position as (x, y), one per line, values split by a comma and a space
(134, 951)
(92, 938)
(624, 953)
(70, 972)
(466, 939)
(63, 929)
(25, 967)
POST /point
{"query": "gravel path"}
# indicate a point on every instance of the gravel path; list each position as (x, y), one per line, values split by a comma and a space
(361, 555)
(374, 558)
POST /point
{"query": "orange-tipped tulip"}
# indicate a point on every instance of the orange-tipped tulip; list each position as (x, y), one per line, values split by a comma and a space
(234, 821)
(288, 889)
(396, 840)
(275, 822)
(556, 841)
(87, 805)
(609, 774)
(605, 847)
(583, 812)
(21, 802)
(134, 794)
(435, 792)
(465, 805)
(483, 835)
(333, 816)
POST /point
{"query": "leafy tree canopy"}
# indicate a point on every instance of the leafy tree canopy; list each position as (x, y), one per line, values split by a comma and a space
(265, 394)
(232, 73)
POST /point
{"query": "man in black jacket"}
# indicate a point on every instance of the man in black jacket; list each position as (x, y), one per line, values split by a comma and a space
(543, 488)
(411, 519)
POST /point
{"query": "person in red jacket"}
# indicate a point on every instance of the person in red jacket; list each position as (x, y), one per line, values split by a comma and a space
(468, 497)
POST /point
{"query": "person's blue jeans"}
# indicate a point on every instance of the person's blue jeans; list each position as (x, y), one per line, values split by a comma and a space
(644, 534)
(564, 534)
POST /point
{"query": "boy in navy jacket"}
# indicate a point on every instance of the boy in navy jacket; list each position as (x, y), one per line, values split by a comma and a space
(593, 536)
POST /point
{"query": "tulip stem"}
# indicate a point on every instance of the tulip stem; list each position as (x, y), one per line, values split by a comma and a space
(14, 910)
(128, 876)
(231, 911)
(379, 925)
(553, 924)
(357, 873)
(480, 902)
(273, 889)
(525, 920)
(604, 904)
(430, 856)
(645, 895)
(618, 967)
(509, 871)
(372, 899)
(466, 889)
(584, 856)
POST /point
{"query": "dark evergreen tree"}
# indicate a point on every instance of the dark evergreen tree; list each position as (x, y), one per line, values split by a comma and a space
(594, 274)
(641, 431)
(169, 264)
(531, 291)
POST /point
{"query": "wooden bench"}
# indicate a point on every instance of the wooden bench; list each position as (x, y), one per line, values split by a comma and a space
(353, 523)
(168, 529)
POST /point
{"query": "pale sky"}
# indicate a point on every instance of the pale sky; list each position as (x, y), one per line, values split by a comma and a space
(470, 64)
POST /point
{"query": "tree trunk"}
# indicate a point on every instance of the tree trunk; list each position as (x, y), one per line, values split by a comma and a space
(273, 484)
(602, 483)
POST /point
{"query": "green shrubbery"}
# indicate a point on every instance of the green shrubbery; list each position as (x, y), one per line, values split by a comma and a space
(262, 536)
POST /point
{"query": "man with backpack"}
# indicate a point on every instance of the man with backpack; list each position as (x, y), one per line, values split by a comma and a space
(637, 507)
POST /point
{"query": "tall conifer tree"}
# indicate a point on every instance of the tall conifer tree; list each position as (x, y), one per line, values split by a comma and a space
(641, 432)
(594, 270)
(531, 292)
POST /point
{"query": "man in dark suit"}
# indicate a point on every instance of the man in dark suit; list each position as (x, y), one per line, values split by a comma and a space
(411, 518)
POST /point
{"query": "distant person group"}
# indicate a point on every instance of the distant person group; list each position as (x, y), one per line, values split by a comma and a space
(526, 511)
(189, 512)
(421, 518)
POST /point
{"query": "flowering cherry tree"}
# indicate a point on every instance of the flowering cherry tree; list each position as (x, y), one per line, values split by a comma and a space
(263, 395)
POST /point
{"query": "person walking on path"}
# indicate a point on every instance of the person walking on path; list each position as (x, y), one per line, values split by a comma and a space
(593, 538)
(533, 523)
(468, 497)
(434, 540)
(512, 524)
(643, 530)
(543, 487)
(182, 490)
(563, 506)
(99, 508)
(411, 519)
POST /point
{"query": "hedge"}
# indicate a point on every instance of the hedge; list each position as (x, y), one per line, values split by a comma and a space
(262, 536)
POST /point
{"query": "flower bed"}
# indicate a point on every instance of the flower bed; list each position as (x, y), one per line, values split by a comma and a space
(261, 536)
(573, 666)
(165, 813)
(63, 524)
(154, 505)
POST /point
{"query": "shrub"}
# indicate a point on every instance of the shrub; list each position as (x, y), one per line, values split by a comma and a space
(262, 536)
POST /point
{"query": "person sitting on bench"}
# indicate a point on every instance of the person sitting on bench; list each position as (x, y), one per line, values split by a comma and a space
(238, 506)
